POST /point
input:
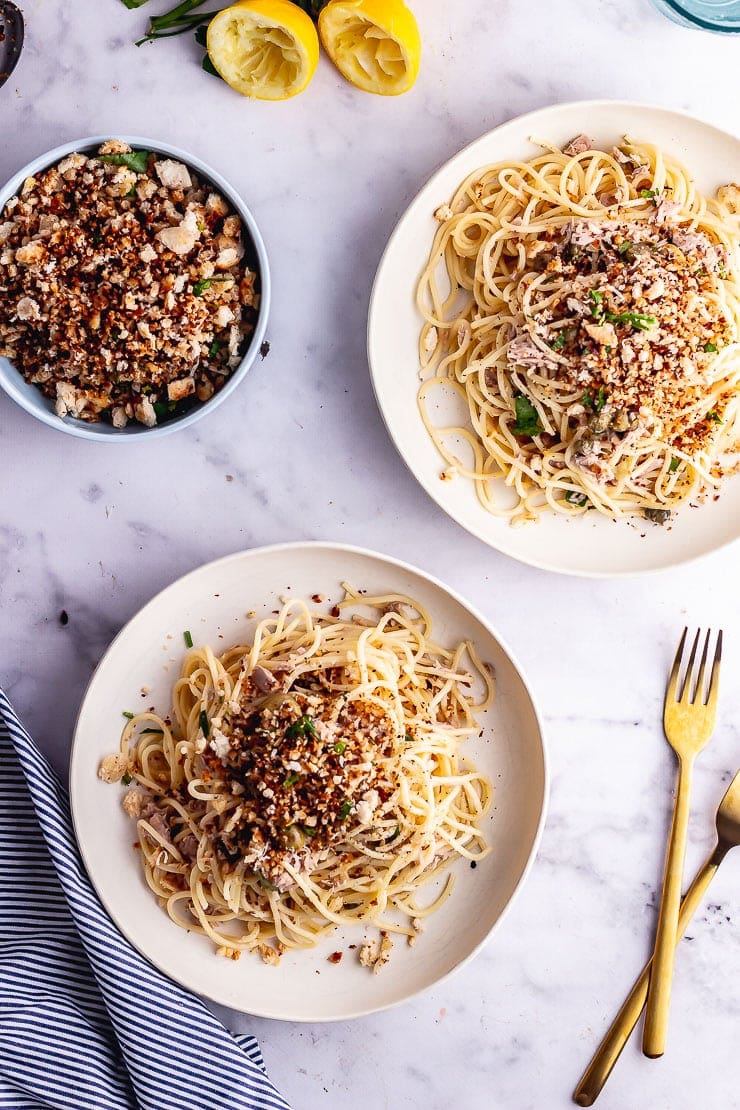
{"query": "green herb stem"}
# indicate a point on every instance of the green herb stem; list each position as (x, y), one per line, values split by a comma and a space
(638, 320)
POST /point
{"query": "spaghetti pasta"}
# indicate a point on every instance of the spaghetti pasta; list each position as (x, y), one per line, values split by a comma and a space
(311, 778)
(585, 308)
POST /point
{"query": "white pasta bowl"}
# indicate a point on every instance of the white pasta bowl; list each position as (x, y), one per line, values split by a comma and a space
(211, 602)
(30, 398)
(590, 544)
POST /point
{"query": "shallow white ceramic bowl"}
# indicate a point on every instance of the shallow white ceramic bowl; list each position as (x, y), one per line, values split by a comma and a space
(590, 544)
(33, 400)
(212, 602)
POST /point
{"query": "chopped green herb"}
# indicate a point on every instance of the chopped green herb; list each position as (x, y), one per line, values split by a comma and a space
(133, 3)
(558, 343)
(126, 779)
(205, 724)
(597, 308)
(131, 192)
(135, 160)
(527, 421)
(157, 730)
(205, 283)
(163, 408)
(214, 348)
(574, 498)
(188, 639)
(600, 399)
(291, 779)
(304, 726)
(675, 463)
(129, 714)
(394, 834)
(721, 269)
(409, 738)
(345, 811)
(649, 194)
(308, 830)
(711, 348)
(339, 747)
(625, 249)
(638, 320)
(715, 416)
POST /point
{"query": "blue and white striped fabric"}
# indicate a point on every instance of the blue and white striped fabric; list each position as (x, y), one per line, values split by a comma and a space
(85, 1021)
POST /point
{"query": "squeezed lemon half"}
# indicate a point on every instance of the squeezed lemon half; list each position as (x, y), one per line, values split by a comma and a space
(375, 44)
(267, 49)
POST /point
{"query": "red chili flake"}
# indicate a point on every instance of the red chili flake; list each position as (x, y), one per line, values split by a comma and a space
(335, 611)
(335, 957)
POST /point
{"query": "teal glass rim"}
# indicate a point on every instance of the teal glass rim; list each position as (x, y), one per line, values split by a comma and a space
(718, 26)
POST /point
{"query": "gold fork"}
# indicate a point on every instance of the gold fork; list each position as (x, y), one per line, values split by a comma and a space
(688, 722)
(607, 1054)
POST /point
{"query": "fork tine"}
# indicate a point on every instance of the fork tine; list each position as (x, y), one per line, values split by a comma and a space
(686, 689)
(671, 693)
(699, 689)
(714, 677)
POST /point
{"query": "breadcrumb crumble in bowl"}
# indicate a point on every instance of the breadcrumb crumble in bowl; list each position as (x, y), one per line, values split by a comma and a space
(134, 288)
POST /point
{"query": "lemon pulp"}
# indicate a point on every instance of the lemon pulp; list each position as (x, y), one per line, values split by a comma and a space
(267, 49)
(375, 44)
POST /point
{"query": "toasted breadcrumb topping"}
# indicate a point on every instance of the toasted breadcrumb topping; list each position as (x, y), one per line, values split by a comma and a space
(629, 324)
(308, 765)
(124, 295)
(375, 955)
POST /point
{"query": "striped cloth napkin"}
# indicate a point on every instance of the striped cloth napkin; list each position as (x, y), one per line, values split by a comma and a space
(85, 1021)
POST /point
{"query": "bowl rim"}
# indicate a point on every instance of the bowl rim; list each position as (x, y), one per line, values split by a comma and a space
(676, 8)
(11, 379)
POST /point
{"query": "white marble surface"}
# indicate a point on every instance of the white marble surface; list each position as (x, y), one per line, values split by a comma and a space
(300, 452)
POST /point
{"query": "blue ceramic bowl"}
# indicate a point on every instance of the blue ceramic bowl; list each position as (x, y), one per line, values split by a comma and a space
(30, 398)
(721, 16)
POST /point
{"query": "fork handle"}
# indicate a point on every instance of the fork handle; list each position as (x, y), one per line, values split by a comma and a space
(598, 1071)
(661, 972)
